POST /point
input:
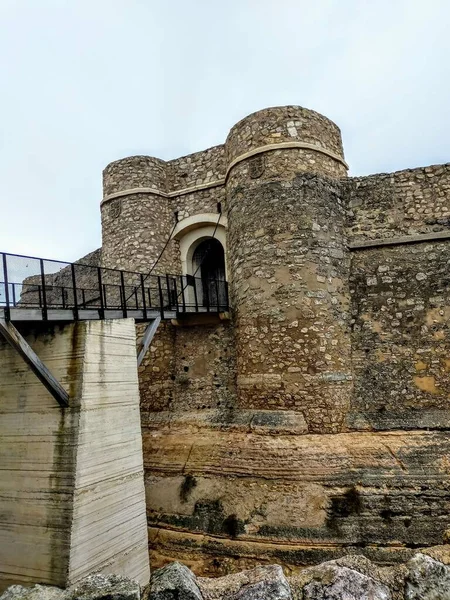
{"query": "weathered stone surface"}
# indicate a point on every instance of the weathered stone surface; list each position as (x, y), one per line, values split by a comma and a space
(104, 587)
(248, 488)
(290, 289)
(428, 579)
(93, 587)
(37, 592)
(175, 581)
(386, 205)
(260, 583)
(440, 553)
(392, 577)
(330, 581)
(399, 348)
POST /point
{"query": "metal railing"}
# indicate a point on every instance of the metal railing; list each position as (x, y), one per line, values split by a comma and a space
(30, 282)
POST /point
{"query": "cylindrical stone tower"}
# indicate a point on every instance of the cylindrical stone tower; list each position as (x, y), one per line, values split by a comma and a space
(288, 265)
(136, 217)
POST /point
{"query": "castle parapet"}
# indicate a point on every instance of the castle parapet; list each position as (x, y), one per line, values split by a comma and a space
(313, 141)
(144, 172)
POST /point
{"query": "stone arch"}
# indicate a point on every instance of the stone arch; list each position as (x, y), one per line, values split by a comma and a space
(202, 241)
(193, 230)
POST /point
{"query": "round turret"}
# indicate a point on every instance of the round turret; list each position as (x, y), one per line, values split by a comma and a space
(134, 172)
(136, 218)
(288, 264)
(308, 141)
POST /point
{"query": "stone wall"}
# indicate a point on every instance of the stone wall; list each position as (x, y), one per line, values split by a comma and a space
(71, 491)
(401, 316)
(135, 230)
(142, 193)
(414, 201)
(188, 375)
(58, 279)
(156, 372)
(135, 172)
(200, 201)
(200, 168)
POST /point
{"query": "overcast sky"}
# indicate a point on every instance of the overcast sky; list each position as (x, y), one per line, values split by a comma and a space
(85, 82)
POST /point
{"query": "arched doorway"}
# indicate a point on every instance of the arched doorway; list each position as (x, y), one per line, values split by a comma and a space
(208, 267)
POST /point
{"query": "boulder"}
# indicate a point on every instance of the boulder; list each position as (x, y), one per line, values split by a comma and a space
(174, 581)
(427, 579)
(104, 587)
(392, 576)
(330, 581)
(260, 583)
(37, 592)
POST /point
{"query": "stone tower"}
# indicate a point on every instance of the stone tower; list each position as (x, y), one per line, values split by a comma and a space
(289, 265)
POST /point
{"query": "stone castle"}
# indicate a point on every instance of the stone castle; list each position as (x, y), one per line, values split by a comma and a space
(311, 419)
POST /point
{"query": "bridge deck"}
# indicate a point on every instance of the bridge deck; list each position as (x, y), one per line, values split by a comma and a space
(89, 314)
(37, 289)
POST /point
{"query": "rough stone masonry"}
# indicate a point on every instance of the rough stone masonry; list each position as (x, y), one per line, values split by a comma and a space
(313, 421)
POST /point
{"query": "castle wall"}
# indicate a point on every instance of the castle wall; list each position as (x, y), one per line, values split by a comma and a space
(312, 424)
(200, 168)
(156, 371)
(280, 124)
(198, 202)
(204, 369)
(301, 132)
(401, 316)
(400, 298)
(290, 293)
(188, 375)
(134, 238)
(134, 172)
(410, 202)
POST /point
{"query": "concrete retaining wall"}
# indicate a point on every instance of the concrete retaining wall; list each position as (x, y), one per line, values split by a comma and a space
(71, 480)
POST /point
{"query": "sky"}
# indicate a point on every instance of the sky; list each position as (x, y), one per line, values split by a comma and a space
(85, 82)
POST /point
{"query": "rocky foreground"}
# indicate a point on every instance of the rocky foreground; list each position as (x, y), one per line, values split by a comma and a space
(349, 578)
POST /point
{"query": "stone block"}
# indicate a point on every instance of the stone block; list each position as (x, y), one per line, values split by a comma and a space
(428, 579)
(260, 583)
(174, 582)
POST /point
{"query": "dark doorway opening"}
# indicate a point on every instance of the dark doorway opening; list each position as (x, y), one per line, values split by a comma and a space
(208, 263)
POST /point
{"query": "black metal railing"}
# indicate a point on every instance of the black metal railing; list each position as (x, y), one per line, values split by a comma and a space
(30, 282)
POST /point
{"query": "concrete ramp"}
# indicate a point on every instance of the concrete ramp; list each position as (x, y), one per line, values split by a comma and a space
(71, 479)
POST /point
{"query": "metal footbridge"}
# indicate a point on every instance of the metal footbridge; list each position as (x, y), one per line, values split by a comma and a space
(40, 290)
(37, 289)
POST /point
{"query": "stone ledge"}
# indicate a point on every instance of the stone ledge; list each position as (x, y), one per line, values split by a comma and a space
(396, 241)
